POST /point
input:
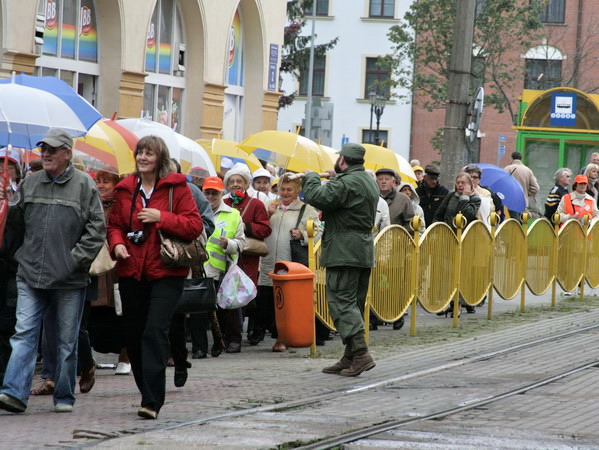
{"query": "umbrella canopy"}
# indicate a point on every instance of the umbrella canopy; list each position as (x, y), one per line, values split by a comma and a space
(26, 114)
(107, 146)
(287, 150)
(378, 157)
(218, 148)
(504, 185)
(190, 154)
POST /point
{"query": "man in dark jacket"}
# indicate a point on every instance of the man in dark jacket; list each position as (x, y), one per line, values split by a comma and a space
(562, 181)
(400, 206)
(431, 193)
(348, 203)
(63, 232)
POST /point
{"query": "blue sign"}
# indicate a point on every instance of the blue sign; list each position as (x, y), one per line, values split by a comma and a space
(563, 109)
(344, 140)
(501, 138)
(272, 67)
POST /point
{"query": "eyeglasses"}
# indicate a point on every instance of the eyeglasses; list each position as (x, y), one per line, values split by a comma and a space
(475, 177)
(49, 149)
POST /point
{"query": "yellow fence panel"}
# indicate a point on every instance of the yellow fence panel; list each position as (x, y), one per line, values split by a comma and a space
(320, 292)
(570, 255)
(475, 264)
(510, 264)
(540, 270)
(391, 285)
(437, 277)
(592, 267)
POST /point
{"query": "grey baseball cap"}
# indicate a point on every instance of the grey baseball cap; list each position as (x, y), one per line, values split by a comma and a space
(57, 137)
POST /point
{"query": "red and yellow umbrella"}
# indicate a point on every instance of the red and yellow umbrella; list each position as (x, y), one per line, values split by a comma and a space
(107, 146)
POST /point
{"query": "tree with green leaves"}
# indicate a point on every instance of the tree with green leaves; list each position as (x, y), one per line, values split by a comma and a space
(296, 47)
(504, 29)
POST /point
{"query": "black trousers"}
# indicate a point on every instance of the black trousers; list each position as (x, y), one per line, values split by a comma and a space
(147, 310)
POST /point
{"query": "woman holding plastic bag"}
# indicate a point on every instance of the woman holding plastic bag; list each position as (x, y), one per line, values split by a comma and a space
(256, 227)
(288, 218)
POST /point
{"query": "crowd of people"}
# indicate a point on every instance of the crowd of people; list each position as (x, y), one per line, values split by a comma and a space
(82, 269)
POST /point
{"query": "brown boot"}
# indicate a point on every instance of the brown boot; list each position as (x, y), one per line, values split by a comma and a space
(359, 364)
(343, 363)
(88, 379)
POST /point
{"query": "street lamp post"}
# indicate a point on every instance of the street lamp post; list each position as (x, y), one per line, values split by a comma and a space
(377, 105)
(372, 99)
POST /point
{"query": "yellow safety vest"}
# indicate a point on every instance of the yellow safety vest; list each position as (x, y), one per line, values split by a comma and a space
(217, 254)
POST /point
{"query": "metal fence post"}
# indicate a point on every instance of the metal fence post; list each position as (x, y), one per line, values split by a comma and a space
(525, 218)
(312, 267)
(415, 223)
(556, 221)
(585, 228)
(493, 221)
(460, 223)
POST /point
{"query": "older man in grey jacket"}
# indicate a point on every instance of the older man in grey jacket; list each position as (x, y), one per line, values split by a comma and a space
(63, 232)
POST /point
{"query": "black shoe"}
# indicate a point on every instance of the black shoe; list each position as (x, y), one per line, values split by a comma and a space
(216, 350)
(257, 336)
(398, 324)
(470, 309)
(199, 355)
(180, 377)
(320, 342)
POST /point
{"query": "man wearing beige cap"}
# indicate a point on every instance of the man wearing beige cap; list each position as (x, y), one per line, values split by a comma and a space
(63, 231)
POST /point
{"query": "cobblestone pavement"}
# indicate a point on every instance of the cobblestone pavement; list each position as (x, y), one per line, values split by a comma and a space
(258, 377)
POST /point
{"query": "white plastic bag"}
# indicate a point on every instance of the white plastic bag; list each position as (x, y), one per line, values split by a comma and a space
(236, 289)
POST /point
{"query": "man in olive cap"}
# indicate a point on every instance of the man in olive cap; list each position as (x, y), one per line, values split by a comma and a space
(63, 231)
(431, 193)
(348, 202)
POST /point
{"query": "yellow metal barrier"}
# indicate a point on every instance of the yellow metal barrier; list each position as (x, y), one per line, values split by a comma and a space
(509, 265)
(475, 267)
(391, 283)
(437, 278)
(320, 293)
(540, 270)
(570, 254)
(591, 273)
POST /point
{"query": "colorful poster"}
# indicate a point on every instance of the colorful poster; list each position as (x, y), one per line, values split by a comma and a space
(165, 57)
(234, 56)
(88, 37)
(68, 30)
(51, 30)
(151, 47)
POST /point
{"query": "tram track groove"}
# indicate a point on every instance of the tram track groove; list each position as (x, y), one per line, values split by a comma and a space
(361, 388)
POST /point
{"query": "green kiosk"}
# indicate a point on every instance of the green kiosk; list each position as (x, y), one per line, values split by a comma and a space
(556, 128)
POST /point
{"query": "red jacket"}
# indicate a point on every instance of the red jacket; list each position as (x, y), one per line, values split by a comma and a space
(184, 222)
(257, 225)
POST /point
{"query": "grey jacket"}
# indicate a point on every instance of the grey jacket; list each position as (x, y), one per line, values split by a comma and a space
(63, 229)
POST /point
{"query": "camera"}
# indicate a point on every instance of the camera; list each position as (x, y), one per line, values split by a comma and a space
(137, 237)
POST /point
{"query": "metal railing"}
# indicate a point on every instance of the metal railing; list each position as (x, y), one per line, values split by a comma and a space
(442, 266)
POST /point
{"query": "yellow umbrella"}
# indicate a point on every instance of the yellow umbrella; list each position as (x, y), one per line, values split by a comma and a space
(378, 157)
(217, 148)
(288, 150)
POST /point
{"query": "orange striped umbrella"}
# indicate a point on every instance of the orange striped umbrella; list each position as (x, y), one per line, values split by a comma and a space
(107, 146)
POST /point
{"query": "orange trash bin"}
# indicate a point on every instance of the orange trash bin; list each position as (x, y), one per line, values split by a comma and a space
(293, 289)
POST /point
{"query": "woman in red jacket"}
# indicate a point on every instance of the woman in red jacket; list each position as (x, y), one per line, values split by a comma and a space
(256, 224)
(149, 289)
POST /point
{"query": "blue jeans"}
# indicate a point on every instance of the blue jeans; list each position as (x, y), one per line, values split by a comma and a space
(31, 306)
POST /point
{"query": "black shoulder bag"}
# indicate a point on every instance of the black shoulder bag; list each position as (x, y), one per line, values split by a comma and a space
(299, 253)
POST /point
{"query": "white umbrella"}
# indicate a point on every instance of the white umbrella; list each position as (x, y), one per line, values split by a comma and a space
(190, 154)
(26, 114)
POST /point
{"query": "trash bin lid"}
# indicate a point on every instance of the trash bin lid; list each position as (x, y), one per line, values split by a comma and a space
(287, 270)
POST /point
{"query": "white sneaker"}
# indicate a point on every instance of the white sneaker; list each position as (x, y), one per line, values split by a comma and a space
(123, 369)
(63, 408)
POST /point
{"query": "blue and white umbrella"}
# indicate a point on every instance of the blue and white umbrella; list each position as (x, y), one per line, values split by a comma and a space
(30, 106)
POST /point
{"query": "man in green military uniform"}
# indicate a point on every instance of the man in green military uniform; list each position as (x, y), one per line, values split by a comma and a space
(348, 202)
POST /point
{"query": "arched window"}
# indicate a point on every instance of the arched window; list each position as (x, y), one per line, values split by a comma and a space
(543, 68)
(234, 93)
(70, 44)
(165, 64)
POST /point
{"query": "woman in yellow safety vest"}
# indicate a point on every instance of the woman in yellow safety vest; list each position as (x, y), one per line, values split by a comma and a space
(578, 203)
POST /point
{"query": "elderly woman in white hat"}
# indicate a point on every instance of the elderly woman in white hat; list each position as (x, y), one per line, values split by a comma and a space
(262, 183)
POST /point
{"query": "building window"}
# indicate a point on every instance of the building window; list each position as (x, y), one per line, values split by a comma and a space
(70, 45)
(317, 80)
(543, 73)
(553, 11)
(322, 8)
(382, 8)
(369, 137)
(375, 75)
(165, 64)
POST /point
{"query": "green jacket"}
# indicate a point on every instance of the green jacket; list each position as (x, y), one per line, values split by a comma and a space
(348, 202)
